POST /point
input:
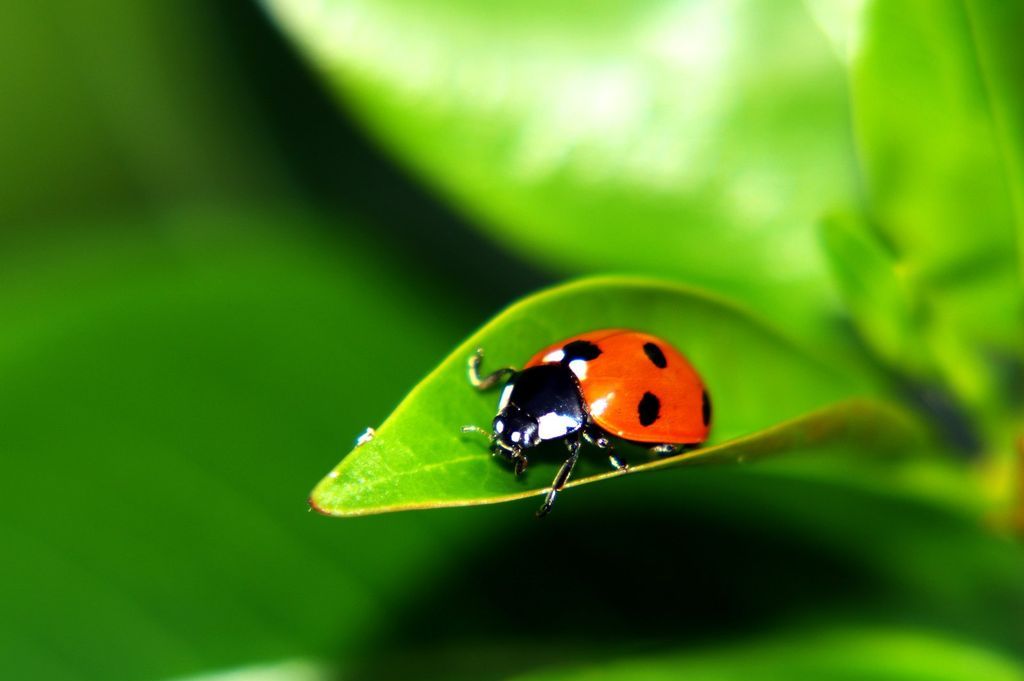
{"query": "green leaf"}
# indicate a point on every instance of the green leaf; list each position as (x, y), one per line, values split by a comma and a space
(756, 377)
(695, 140)
(939, 116)
(833, 654)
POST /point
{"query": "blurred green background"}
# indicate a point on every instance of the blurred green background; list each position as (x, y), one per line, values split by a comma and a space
(233, 235)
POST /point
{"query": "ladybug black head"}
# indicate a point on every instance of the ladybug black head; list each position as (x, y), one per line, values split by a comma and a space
(514, 430)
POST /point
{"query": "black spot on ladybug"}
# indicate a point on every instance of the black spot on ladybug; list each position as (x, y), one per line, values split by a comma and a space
(706, 407)
(648, 409)
(580, 349)
(655, 354)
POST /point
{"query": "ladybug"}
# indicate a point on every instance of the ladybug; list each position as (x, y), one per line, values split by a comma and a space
(594, 386)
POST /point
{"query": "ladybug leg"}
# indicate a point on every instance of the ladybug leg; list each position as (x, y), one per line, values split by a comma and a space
(573, 443)
(515, 457)
(519, 462)
(669, 449)
(490, 380)
(601, 442)
(664, 450)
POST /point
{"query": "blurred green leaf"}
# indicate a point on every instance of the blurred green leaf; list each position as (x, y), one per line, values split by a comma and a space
(168, 390)
(939, 116)
(691, 139)
(756, 377)
(877, 295)
(288, 670)
(696, 557)
(830, 655)
(118, 105)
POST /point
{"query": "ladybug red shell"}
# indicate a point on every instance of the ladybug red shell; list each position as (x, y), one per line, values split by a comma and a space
(636, 386)
(592, 386)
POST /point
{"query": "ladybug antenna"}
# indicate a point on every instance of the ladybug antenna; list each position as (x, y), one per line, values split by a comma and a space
(477, 429)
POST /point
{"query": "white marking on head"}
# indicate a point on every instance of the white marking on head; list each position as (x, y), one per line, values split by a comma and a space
(554, 356)
(499, 427)
(516, 436)
(579, 367)
(551, 426)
